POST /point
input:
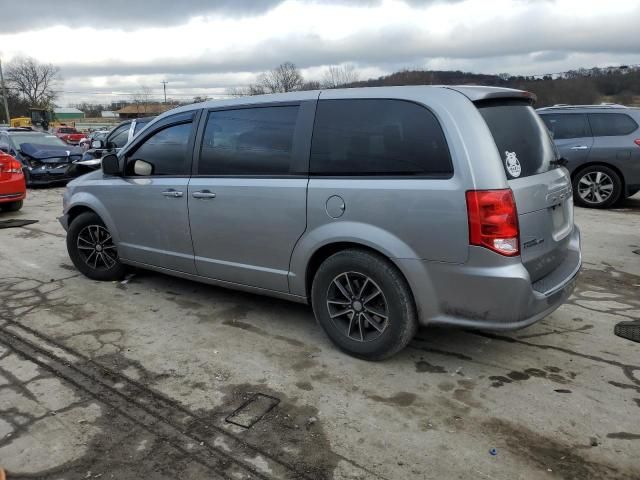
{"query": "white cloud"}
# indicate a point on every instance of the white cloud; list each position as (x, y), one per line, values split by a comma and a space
(207, 53)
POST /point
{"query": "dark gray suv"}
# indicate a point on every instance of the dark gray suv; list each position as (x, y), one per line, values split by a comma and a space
(601, 144)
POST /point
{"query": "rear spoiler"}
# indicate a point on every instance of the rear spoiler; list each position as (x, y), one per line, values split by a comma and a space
(481, 94)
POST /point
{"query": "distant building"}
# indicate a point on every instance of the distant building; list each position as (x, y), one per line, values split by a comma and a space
(67, 113)
(143, 110)
(108, 114)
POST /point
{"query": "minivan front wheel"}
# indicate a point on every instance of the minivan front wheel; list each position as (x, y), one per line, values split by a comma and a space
(364, 304)
(597, 186)
(92, 250)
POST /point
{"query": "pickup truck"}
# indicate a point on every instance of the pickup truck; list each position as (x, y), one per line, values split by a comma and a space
(69, 134)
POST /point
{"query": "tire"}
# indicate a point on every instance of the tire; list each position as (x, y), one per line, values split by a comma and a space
(596, 186)
(368, 335)
(91, 250)
(11, 206)
(27, 178)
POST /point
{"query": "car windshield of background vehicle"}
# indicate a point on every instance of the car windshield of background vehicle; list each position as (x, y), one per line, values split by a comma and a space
(37, 139)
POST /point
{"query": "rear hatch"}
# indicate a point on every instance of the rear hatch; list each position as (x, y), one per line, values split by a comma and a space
(541, 188)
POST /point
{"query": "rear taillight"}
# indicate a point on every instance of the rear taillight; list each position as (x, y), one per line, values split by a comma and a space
(10, 166)
(493, 221)
(637, 141)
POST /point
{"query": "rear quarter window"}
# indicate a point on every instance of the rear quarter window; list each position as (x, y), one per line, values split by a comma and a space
(522, 138)
(612, 124)
(383, 137)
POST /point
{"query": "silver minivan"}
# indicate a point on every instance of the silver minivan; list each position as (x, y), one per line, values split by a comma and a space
(384, 208)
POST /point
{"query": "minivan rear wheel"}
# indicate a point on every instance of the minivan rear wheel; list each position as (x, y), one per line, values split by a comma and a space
(597, 186)
(364, 304)
(92, 250)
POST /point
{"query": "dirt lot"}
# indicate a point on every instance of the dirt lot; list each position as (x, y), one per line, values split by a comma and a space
(138, 380)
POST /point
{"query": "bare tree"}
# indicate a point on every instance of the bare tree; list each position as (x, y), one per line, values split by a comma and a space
(33, 81)
(246, 91)
(339, 75)
(284, 78)
(142, 98)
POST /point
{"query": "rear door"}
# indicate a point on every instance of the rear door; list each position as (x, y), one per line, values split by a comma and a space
(247, 197)
(542, 190)
(572, 135)
(615, 135)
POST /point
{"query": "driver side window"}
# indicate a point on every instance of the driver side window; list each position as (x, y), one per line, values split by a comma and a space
(165, 152)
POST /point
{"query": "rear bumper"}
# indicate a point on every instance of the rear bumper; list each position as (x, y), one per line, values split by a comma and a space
(13, 189)
(489, 291)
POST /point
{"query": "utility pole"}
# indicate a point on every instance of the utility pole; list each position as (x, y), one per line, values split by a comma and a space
(4, 95)
(164, 86)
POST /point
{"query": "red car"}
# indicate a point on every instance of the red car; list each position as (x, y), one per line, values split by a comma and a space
(69, 135)
(12, 185)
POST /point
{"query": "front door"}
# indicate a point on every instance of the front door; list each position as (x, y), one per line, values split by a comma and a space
(149, 203)
(247, 198)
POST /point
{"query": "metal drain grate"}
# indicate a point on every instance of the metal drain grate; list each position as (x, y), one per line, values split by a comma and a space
(628, 330)
(251, 411)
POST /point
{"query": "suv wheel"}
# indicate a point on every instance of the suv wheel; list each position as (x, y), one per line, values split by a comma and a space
(597, 186)
(92, 250)
(364, 304)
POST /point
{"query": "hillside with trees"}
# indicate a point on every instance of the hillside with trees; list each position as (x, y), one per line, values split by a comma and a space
(585, 86)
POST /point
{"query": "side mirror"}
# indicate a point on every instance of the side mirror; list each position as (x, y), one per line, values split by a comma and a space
(97, 144)
(142, 168)
(111, 165)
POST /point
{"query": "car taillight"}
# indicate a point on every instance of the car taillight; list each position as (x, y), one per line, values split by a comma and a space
(11, 166)
(493, 221)
(637, 141)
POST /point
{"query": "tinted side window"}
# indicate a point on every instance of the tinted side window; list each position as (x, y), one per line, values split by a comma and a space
(611, 124)
(248, 141)
(120, 136)
(167, 150)
(565, 126)
(378, 137)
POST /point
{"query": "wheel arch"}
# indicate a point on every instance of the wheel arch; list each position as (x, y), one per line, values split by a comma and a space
(77, 210)
(83, 202)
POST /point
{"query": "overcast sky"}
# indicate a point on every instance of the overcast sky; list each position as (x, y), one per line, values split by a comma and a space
(107, 51)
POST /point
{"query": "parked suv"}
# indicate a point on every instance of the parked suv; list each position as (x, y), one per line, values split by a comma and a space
(384, 208)
(601, 144)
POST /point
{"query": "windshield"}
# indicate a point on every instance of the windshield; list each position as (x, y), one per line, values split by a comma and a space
(522, 138)
(38, 139)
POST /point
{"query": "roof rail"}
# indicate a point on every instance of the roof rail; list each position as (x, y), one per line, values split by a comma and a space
(566, 106)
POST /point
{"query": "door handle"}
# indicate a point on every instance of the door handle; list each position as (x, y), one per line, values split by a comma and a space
(204, 194)
(580, 147)
(172, 193)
